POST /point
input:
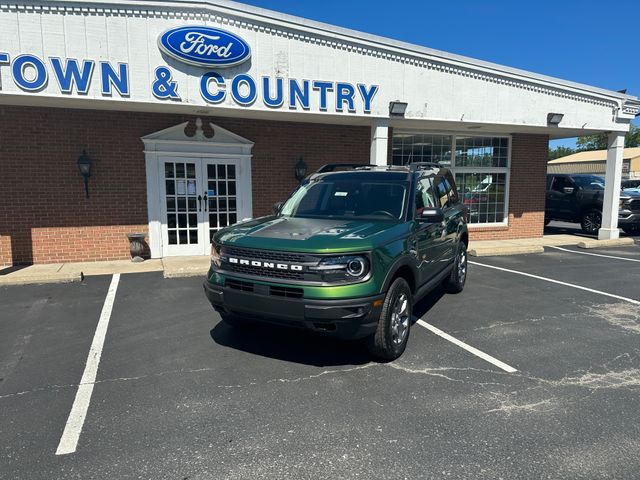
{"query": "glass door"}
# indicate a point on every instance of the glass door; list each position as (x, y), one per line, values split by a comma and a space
(183, 207)
(223, 205)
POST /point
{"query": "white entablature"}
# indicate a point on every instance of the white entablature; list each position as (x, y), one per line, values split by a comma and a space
(438, 87)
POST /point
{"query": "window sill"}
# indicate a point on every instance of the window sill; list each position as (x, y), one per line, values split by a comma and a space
(488, 226)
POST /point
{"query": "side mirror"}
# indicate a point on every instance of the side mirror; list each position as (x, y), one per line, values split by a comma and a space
(568, 190)
(431, 215)
(277, 207)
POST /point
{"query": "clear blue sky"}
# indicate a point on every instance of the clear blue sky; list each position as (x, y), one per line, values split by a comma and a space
(573, 40)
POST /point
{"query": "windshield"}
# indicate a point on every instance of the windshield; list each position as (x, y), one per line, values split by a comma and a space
(591, 182)
(348, 198)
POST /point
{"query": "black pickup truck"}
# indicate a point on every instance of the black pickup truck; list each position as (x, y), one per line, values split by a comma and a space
(578, 198)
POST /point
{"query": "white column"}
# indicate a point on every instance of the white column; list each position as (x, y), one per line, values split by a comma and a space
(613, 177)
(379, 141)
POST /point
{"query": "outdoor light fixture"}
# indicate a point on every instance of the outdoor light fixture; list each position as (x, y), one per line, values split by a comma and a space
(397, 108)
(301, 169)
(84, 165)
(554, 118)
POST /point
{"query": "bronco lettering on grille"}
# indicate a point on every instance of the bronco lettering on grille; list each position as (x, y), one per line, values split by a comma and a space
(262, 264)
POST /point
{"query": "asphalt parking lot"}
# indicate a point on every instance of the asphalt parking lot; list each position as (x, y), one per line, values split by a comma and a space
(179, 395)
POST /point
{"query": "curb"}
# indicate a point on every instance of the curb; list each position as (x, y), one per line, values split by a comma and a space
(38, 280)
(614, 242)
(507, 250)
(185, 273)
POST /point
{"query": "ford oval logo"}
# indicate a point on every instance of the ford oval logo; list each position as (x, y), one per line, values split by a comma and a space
(204, 46)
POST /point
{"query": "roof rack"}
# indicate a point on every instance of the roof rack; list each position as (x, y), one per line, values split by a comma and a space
(414, 166)
(423, 165)
(331, 167)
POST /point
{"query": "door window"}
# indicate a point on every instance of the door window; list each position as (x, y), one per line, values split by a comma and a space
(182, 203)
(222, 199)
(560, 182)
(424, 195)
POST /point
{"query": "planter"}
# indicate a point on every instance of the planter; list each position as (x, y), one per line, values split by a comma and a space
(136, 246)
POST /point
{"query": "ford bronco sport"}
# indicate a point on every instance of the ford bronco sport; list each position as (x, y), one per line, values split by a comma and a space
(348, 254)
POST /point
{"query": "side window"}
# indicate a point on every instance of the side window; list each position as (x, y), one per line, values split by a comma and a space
(453, 191)
(559, 183)
(424, 195)
(442, 190)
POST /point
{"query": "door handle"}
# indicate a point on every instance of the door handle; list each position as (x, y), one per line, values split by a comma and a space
(199, 203)
(206, 203)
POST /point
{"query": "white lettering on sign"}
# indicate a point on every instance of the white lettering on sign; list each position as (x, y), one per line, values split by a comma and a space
(194, 42)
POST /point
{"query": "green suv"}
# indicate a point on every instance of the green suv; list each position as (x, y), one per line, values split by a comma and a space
(348, 254)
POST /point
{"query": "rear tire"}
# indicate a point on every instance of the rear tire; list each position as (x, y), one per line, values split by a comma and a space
(392, 334)
(591, 221)
(454, 283)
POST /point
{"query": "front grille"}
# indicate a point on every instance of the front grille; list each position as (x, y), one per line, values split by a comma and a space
(239, 285)
(634, 205)
(264, 272)
(268, 255)
(287, 292)
(260, 289)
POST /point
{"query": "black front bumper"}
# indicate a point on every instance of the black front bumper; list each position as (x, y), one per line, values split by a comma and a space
(348, 319)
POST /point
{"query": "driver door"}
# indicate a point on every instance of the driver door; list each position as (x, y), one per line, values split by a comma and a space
(560, 202)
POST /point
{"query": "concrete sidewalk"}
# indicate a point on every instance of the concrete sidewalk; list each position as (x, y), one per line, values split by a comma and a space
(176, 267)
(173, 267)
(486, 248)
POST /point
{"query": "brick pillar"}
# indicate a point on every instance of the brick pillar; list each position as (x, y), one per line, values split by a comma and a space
(527, 187)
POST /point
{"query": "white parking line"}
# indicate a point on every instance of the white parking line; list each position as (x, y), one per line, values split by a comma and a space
(595, 254)
(551, 280)
(468, 348)
(75, 422)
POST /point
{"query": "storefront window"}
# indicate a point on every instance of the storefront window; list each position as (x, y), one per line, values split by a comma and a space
(417, 147)
(480, 165)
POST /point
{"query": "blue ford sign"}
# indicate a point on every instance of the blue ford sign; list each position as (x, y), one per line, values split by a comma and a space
(204, 46)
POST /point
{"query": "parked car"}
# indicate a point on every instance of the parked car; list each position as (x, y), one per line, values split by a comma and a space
(348, 254)
(631, 183)
(578, 198)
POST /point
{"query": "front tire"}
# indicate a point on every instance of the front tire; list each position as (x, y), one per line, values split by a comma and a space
(591, 221)
(632, 230)
(392, 334)
(454, 283)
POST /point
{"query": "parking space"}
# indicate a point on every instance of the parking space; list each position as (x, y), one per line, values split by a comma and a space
(180, 395)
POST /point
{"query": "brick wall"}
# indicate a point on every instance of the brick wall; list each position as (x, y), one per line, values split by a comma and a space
(44, 215)
(526, 191)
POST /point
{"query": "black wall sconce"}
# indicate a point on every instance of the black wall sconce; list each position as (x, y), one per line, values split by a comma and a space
(84, 165)
(301, 169)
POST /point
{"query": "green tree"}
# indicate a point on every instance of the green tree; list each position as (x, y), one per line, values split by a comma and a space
(560, 151)
(599, 142)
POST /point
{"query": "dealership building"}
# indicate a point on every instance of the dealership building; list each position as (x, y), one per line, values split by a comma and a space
(177, 118)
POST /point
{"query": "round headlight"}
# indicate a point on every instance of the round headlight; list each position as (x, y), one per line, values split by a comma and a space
(356, 267)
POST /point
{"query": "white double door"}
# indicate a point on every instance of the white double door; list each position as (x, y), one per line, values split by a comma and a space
(199, 195)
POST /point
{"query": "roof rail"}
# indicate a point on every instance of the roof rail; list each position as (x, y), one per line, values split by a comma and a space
(331, 167)
(423, 165)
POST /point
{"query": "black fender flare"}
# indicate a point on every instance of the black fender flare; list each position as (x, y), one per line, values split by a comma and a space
(405, 261)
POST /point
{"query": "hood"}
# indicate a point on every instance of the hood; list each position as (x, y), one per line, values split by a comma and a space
(631, 192)
(311, 234)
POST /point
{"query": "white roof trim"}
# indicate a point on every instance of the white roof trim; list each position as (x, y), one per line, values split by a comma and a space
(343, 38)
